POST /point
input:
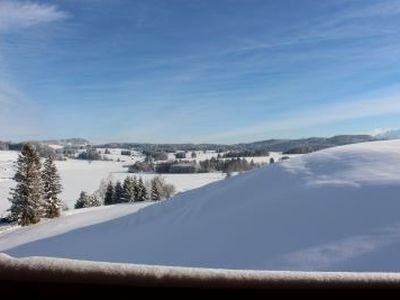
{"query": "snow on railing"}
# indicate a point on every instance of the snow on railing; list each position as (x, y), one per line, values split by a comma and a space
(58, 270)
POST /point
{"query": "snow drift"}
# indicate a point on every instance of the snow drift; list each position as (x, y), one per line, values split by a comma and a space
(334, 210)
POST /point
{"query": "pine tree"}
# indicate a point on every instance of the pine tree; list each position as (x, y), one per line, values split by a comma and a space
(129, 190)
(83, 201)
(155, 194)
(164, 189)
(109, 197)
(94, 201)
(100, 193)
(51, 188)
(142, 191)
(118, 193)
(26, 197)
(136, 189)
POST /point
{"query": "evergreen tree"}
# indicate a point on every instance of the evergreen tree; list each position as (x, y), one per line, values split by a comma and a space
(155, 194)
(164, 189)
(83, 201)
(136, 189)
(26, 197)
(118, 193)
(94, 201)
(129, 190)
(109, 197)
(142, 191)
(100, 193)
(51, 189)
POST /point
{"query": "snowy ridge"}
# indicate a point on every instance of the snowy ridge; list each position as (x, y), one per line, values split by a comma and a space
(334, 210)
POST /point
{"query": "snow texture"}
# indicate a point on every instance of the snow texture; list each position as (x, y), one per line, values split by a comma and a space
(333, 210)
(72, 271)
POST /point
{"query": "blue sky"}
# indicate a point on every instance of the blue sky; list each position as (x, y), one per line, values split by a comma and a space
(198, 70)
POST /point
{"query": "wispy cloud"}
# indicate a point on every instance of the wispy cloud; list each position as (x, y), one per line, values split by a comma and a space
(19, 15)
(347, 22)
(18, 114)
(377, 105)
(377, 9)
(225, 79)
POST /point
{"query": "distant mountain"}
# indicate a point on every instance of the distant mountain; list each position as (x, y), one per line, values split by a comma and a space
(389, 135)
(289, 146)
(305, 145)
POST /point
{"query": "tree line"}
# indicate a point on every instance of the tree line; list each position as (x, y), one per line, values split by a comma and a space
(132, 189)
(35, 195)
(245, 153)
(205, 166)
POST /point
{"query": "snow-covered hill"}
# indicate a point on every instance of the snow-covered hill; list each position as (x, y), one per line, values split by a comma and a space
(336, 210)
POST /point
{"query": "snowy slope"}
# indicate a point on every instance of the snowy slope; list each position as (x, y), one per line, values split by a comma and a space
(70, 220)
(334, 210)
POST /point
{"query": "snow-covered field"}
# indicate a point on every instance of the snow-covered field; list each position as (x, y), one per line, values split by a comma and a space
(201, 156)
(334, 210)
(79, 175)
(115, 155)
(7, 159)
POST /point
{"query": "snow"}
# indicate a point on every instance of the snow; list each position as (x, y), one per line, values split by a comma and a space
(333, 210)
(7, 159)
(201, 156)
(183, 182)
(70, 220)
(60, 270)
(55, 147)
(115, 155)
(80, 175)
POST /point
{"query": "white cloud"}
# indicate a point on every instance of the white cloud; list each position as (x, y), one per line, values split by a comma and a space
(377, 105)
(18, 114)
(19, 15)
(378, 9)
